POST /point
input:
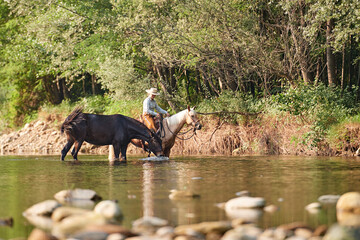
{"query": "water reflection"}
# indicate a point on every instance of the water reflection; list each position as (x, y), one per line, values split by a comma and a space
(143, 188)
(148, 185)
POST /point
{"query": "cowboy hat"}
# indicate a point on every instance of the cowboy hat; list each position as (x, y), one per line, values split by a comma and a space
(152, 91)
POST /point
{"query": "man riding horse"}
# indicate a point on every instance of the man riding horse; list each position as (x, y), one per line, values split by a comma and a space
(150, 118)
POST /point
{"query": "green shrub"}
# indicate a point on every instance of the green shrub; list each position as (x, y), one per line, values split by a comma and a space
(319, 106)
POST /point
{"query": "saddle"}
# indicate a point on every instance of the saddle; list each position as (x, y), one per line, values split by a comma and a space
(150, 122)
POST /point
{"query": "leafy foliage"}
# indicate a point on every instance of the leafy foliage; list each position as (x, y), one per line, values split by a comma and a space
(319, 106)
(225, 54)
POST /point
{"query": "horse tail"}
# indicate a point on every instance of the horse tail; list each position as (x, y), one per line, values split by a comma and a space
(70, 123)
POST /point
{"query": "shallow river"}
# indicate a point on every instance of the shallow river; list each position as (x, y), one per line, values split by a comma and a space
(142, 188)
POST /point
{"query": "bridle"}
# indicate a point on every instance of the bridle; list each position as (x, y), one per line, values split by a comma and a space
(194, 123)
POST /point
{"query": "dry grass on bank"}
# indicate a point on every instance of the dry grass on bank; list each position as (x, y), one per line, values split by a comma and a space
(266, 134)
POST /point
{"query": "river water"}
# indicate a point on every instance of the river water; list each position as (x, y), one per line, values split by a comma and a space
(142, 188)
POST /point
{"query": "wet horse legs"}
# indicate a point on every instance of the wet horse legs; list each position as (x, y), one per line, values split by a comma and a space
(123, 149)
(66, 149)
(76, 149)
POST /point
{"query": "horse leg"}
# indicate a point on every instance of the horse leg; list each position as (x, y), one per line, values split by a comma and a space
(66, 149)
(77, 148)
(166, 152)
(116, 147)
(123, 149)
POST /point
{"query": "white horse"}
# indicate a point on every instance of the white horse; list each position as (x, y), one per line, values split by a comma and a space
(171, 126)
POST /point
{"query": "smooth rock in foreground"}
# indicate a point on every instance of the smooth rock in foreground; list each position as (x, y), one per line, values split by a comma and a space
(76, 194)
(109, 209)
(337, 232)
(245, 202)
(41, 222)
(243, 232)
(64, 212)
(76, 223)
(251, 215)
(349, 202)
(44, 208)
(204, 227)
(38, 234)
(345, 218)
(313, 207)
(148, 225)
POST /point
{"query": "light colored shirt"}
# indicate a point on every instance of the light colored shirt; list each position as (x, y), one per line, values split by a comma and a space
(150, 105)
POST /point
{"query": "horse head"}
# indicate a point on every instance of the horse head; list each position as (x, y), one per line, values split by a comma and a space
(191, 118)
(154, 144)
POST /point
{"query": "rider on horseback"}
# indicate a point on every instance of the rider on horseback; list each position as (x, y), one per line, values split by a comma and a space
(149, 107)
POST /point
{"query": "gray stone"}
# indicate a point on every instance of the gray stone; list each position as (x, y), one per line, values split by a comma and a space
(148, 225)
(90, 236)
(116, 236)
(76, 194)
(245, 202)
(242, 233)
(329, 199)
(204, 227)
(165, 231)
(337, 232)
(247, 215)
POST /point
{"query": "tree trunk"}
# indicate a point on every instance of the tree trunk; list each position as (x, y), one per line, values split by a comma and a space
(165, 88)
(330, 57)
(93, 84)
(66, 93)
(52, 90)
(343, 68)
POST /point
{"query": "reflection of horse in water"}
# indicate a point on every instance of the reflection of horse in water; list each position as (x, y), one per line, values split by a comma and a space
(171, 127)
(117, 130)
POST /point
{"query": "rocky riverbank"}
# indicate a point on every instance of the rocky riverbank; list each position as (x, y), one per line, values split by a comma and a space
(266, 135)
(66, 218)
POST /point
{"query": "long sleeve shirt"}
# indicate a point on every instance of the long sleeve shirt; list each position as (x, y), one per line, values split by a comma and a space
(150, 105)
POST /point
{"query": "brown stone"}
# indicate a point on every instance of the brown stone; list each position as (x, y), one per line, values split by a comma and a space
(320, 230)
(204, 227)
(110, 229)
(38, 234)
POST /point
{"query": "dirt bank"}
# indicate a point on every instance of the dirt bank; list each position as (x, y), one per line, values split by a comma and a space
(264, 135)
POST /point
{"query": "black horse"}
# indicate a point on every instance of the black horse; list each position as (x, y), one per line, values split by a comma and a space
(116, 130)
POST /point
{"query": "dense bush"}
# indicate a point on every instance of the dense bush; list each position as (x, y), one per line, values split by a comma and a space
(319, 106)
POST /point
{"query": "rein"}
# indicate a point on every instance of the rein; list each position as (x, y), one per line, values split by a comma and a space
(176, 135)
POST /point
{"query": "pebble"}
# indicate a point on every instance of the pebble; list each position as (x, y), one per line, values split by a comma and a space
(109, 209)
(43, 208)
(148, 225)
(204, 227)
(64, 212)
(245, 202)
(271, 208)
(76, 194)
(179, 195)
(244, 193)
(329, 199)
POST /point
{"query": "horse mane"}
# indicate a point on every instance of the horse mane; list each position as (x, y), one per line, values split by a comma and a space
(75, 117)
(142, 125)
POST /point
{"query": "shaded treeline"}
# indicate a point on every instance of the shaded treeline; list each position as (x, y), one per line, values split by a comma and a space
(192, 50)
